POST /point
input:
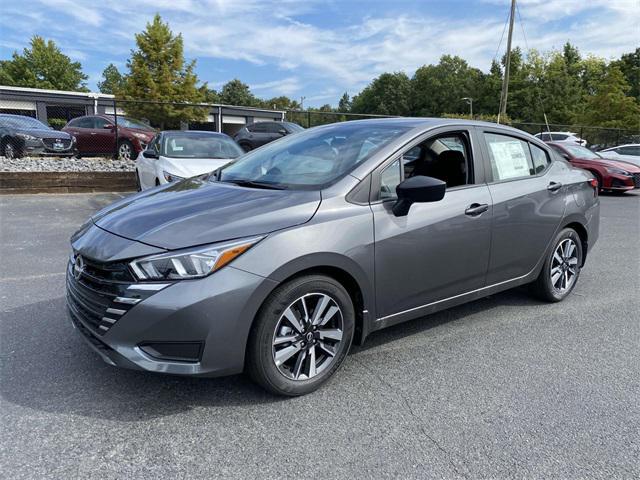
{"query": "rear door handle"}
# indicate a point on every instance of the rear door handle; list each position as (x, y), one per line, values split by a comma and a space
(554, 186)
(476, 209)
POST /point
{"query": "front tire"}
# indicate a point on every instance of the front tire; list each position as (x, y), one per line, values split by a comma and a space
(561, 269)
(301, 335)
(10, 150)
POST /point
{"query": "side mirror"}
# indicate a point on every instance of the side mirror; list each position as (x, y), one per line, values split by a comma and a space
(566, 156)
(418, 189)
(282, 132)
(149, 154)
(109, 126)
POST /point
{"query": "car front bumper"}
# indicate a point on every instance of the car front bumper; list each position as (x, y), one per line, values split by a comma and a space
(215, 312)
(621, 183)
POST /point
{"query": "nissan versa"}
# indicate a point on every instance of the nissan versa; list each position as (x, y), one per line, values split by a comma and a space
(277, 263)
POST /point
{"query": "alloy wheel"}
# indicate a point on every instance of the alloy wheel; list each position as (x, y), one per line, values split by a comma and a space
(307, 336)
(564, 265)
(124, 152)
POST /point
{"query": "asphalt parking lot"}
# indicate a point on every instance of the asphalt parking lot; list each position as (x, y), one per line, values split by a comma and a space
(500, 388)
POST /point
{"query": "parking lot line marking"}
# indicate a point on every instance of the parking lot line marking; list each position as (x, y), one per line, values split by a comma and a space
(31, 277)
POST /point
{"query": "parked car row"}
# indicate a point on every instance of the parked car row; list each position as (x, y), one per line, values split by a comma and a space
(100, 135)
(612, 175)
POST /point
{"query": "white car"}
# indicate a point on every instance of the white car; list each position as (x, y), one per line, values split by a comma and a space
(629, 153)
(561, 137)
(176, 154)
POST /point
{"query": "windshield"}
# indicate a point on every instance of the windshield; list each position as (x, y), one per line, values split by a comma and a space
(131, 123)
(26, 123)
(199, 145)
(313, 158)
(582, 152)
(294, 127)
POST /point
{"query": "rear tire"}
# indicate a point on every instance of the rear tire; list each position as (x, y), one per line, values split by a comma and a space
(561, 269)
(290, 353)
(126, 150)
(246, 147)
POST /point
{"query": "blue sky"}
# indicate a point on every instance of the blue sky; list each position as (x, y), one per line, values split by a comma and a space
(317, 49)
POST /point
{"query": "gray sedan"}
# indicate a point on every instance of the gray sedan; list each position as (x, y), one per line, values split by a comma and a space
(277, 263)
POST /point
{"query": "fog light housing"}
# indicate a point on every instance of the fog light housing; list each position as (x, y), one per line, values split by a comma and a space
(190, 352)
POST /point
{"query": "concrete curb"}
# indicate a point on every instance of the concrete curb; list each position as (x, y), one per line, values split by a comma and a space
(66, 182)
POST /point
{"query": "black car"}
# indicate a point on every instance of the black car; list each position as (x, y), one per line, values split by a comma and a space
(255, 135)
(20, 136)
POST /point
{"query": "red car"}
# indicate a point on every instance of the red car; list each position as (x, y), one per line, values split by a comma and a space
(96, 136)
(612, 175)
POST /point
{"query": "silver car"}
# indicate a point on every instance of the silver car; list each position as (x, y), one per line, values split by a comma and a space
(277, 263)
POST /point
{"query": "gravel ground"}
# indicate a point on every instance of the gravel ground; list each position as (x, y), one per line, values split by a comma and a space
(65, 164)
(504, 387)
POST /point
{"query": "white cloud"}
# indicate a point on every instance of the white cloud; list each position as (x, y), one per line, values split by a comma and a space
(281, 37)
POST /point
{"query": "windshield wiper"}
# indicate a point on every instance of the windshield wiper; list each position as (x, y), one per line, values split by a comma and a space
(254, 184)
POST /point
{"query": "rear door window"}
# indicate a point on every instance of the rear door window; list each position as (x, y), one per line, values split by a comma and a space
(510, 157)
(540, 159)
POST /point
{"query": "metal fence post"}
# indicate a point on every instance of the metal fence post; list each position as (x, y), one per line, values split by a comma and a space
(115, 122)
(308, 119)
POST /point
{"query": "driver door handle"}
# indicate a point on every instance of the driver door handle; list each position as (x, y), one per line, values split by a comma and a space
(554, 186)
(476, 209)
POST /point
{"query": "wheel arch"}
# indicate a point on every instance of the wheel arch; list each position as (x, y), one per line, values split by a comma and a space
(578, 225)
(342, 269)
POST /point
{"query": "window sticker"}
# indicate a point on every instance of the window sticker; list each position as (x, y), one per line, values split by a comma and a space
(510, 159)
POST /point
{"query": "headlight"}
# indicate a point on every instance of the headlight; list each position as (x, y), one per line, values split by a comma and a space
(196, 263)
(170, 177)
(617, 171)
(26, 136)
(141, 136)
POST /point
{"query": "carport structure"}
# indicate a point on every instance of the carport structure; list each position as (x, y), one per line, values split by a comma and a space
(57, 107)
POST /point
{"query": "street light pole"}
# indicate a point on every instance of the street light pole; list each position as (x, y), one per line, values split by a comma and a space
(469, 100)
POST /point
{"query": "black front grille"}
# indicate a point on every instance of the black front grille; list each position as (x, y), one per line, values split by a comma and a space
(51, 143)
(636, 180)
(99, 295)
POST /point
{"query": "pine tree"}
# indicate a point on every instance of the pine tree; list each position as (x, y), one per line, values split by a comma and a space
(158, 72)
(344, 105)
(610, 106)
(42, 66)
(112, 80)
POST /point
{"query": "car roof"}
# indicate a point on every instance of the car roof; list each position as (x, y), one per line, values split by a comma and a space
(202, 132)
(432, 122)
(623, 145)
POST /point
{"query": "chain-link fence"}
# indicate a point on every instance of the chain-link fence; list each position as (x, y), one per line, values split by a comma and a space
(112, 128)
(596, 138)
(314, 118)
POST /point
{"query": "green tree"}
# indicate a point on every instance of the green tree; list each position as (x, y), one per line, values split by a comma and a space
(235, 92)
(112, 80)
(344, 105)
(440, 88)
(629, 64)
(42, 66)
(210, 95)
(389, 94)
(281, 103)
(610, 105)
(158, 72)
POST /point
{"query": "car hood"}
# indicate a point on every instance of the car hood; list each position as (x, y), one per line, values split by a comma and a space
(609, 162)
(42, 133)
(196, 212)
(190, 167)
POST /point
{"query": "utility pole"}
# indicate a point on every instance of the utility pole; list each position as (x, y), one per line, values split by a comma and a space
(505, 81)
(302, 103)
